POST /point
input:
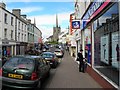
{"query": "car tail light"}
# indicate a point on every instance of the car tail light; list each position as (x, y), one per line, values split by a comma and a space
(0, 71)
(34, 76)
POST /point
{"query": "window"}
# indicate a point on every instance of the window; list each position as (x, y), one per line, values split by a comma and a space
(22, 26)
(5, 18)
(5, 33)
(11, 34)
(106, 43)
(19, 25)
(25, 38)
(20, 62)
(22, 37)
(18, 36)
(12, 21)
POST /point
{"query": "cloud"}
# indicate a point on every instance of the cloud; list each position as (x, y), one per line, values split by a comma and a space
(46, 22)
(31, 9)
(51, 19)
(26, 10)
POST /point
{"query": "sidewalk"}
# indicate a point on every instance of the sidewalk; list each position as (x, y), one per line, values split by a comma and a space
(68, 76)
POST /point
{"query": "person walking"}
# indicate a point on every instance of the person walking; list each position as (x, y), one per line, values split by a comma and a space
(81, 62)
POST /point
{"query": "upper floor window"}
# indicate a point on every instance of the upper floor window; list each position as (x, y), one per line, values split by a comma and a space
(5, 33)
(11, 20)
(18, 36)
(22, 38)
(5, 18)
(22, 26)
(19, 25)
(11, 34)
(25, 38)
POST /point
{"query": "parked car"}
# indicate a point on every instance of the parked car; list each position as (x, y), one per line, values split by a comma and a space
(59, 53)
(24, 72)
(51, 58)
(61, 48)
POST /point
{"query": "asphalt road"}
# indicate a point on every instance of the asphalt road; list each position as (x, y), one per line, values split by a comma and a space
(67, 75)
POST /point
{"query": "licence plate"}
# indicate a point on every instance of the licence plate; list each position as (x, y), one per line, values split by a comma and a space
(15, 76)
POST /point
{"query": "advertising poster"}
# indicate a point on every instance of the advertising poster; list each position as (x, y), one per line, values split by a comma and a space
(115, 49)
(104, 49)
(88, 44)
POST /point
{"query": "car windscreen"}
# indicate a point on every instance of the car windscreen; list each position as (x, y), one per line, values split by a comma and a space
(45, 55)
(19, 63)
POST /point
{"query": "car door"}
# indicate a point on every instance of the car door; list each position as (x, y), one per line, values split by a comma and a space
(41, 68)
(56, 58)
(46, 66)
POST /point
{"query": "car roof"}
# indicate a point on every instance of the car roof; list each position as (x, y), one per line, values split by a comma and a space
(48, 53)
(27, 56)
(57, 49)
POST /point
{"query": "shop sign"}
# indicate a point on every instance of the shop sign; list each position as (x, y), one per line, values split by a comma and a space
(75, 24)
(96, 7)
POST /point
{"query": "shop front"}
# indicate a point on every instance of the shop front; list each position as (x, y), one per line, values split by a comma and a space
(101, 42)
(8, 48)
(106, 47)
(21, 47)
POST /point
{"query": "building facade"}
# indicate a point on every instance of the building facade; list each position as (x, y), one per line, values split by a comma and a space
(21, 32)
(7, 31)
(16, 32)
(100, 41)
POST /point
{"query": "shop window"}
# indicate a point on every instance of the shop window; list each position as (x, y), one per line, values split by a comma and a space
(106, 46)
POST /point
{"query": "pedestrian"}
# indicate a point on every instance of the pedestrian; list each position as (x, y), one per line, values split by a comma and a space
(81, 62)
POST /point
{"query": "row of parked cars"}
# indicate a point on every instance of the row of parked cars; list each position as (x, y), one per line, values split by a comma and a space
(28, 71)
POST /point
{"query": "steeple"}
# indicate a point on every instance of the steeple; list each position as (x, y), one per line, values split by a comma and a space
(56, 21)
(34, 22)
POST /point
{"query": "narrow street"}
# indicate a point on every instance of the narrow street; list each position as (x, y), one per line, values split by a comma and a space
(66, 75)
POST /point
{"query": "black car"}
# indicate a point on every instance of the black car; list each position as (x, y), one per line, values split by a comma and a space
(24, 72)
(51, 58)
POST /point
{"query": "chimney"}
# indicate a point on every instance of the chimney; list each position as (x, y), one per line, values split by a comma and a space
(16, 12)
(2, 5)
(29, 21)
(24, 16)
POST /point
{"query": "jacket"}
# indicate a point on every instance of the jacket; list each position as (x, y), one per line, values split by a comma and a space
(80, 57)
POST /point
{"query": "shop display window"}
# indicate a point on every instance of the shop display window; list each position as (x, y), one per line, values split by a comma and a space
(106, 44)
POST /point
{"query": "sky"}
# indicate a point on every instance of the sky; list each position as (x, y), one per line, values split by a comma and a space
(44, 13)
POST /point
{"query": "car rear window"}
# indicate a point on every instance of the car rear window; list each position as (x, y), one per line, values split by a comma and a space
(19, 63)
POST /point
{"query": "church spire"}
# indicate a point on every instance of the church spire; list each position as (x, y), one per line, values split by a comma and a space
(56, 20)
(34, 22)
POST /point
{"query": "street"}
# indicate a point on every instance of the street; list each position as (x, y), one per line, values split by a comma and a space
(66, 75)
